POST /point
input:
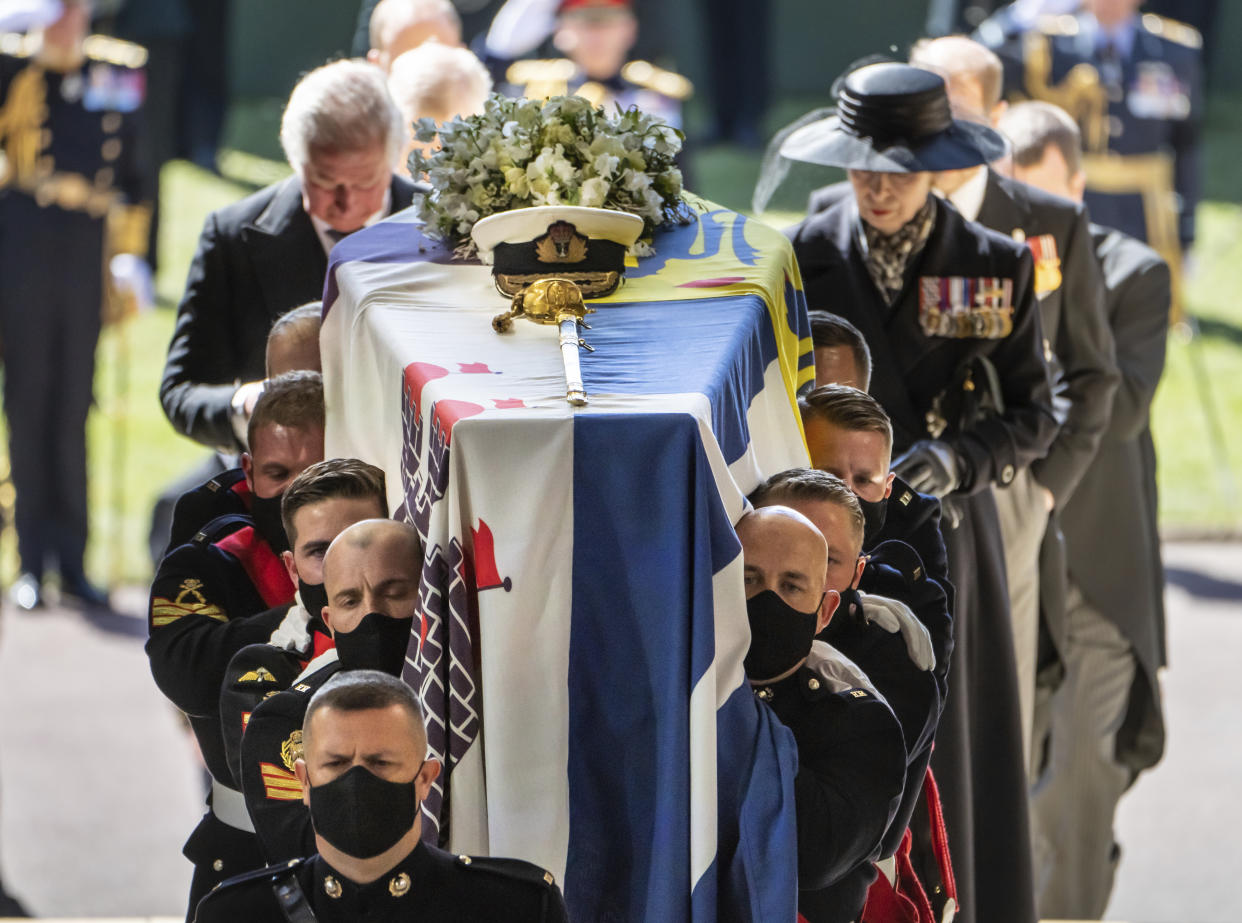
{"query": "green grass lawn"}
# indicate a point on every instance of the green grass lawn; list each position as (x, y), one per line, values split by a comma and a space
(134, 452)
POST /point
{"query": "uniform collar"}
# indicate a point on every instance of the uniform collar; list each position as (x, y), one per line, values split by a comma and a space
(1120, 36)
(394, 889)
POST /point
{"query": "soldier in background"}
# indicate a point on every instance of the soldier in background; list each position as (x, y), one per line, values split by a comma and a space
(596, 37)
(1134, 85)
(70, 199)
(397, 26)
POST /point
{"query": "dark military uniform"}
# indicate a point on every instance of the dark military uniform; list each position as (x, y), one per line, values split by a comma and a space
(269, 747)
(915, 695)
(918, 344)
(652, 89)
(428, 884)
(226, 494)
(211, 597)
(70, 197)
(1139, 107)
(851, 772)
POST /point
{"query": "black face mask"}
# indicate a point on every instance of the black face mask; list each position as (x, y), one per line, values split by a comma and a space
(780, 635)
(361, 814)
(874, 513)
(314, 599)
(376, 643)
(265, 511)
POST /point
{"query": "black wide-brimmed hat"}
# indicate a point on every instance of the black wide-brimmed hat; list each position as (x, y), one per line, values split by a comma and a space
(894, 118)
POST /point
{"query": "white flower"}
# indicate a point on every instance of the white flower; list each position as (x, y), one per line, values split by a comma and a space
(606, 164)
(594, 192)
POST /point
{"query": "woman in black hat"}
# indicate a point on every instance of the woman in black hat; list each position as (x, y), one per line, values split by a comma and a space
(948, 310)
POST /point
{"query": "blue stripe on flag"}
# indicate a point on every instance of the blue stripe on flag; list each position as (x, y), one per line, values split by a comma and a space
(649, 535)
(723, 347)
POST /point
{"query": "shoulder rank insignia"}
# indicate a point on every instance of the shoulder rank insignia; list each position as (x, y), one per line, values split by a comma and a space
(1179, 32)
(1047, 264)
(857, 693)
(189, 601)
(280, 784)
(966, 308)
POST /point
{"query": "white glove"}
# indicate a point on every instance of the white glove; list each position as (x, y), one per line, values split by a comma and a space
(131, 275)
(520, 26)
(893, 616)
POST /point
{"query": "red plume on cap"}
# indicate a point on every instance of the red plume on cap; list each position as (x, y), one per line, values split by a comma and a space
(486, 573)
(577, 6)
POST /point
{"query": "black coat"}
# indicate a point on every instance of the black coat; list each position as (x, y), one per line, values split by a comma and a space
(256, 259)
(1110, 528)
(428, 884)
(978, 759)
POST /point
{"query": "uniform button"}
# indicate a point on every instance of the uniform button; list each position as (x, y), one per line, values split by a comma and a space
(1007, 474)
(765, 695)
(218, 865)
(332, 887)
(1019, 235)
(110, 149)
(399, 886)
(464, 860)
(111, 122)
(812, 684)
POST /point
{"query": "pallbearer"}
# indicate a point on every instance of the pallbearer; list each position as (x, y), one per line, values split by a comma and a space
(948, 309)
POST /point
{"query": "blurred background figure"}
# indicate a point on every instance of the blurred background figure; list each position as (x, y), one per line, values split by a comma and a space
(595, 37)
(71, 196)
(738, 32)
(396, 26)
(438, 82)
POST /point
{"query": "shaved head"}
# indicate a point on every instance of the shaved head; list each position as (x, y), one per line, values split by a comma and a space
(372, 566)
(784, 552)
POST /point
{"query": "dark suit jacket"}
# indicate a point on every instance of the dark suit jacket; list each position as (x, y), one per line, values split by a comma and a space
(1110, 528)
(256, 259)
(1073, 321)
(908, 367)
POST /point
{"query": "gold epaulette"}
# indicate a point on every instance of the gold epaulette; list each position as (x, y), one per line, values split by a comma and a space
(115, 51)
(17, 44)
(541, 78)
(665, 82)
(1065, 24)
(1178, 32)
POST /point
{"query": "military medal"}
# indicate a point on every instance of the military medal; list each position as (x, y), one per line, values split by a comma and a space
(966, 308)
(1047, 264)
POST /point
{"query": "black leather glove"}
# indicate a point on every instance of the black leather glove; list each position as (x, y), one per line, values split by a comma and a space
(931, 467)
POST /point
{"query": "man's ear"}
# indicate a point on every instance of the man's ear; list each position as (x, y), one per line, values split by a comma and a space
(247, 464)
(1078, 185)
(858, 570)
(299, 770)
(998, 112)
(888, 484)
(426, 775)
(327, 620)
(831, 600)
(291, 568)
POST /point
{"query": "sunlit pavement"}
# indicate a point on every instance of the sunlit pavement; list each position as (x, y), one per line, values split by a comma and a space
(99, 785)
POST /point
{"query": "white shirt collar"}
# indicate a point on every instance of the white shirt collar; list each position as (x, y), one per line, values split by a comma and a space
(322, 227)
(968, 197)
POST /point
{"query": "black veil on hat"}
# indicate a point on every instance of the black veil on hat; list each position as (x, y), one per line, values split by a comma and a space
(889, 118)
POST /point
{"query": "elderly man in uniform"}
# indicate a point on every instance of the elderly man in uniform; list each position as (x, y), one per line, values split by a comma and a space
(71, 196)
(364, 773)
(941, 302)
(851, 753)
(224, 589)
(1078, 345)
(1137, 95)
(370, 594)
(256, 259)
(1104, 724)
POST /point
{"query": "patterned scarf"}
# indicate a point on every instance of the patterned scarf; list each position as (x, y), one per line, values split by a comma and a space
(888, 255)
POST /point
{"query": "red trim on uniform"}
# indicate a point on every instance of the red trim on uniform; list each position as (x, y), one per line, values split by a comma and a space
(939, 835)
(261, 564)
